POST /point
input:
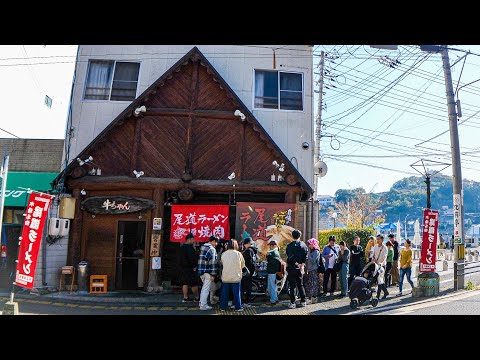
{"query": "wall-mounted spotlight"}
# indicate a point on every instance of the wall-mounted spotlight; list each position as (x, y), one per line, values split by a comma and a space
(141, 109)
(95, 170)
(83, 192)
(239, 113)
(80, 162)
(138, 173)
(231, 176)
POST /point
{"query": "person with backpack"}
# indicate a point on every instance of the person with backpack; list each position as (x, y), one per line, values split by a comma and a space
(330, 254)
(296, 257)
(274, 265)
(312, 284)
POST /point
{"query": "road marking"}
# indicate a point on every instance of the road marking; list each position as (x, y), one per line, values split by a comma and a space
(71, 305)
(154, 308)
(139, 308)
(167, 308)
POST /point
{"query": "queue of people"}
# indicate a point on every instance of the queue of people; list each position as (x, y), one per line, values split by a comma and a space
(226, 272)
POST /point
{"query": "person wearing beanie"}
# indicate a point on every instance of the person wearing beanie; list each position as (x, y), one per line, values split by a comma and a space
(250, 256)
(296, 258)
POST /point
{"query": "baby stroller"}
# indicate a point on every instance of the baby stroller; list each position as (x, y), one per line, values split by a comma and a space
(361, 287)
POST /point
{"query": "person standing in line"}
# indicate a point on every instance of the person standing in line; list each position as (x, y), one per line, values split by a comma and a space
(207, 270)
(406, 266)
(232, 264)
(380, 258)
(312, 283)
(388, 275)
(356, 254)
(330, 254)
(344, 258)
(394, 272)
(250, 256)
(188, 268)
(273, 266)
(296, 257)
(369, 249)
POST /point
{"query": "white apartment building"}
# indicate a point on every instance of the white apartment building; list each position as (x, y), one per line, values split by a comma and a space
(274, 81)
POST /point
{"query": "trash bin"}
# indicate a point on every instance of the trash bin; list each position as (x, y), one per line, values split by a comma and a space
(82, 271)
(429, 283)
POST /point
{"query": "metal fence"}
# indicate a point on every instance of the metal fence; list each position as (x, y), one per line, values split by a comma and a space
(460, 269)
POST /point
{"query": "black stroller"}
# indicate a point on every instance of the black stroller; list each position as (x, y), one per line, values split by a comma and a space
(361, 287)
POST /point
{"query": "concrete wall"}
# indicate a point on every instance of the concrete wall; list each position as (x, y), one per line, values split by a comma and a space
(235, 63)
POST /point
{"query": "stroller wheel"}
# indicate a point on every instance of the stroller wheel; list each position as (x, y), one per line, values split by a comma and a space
(354, 304)
(374, 302)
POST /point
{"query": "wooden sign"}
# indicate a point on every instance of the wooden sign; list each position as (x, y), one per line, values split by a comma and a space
(155, 244)
(116, 204)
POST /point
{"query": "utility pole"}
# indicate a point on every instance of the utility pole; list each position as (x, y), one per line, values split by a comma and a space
(4, 174)
(459, 250)
(316, 153)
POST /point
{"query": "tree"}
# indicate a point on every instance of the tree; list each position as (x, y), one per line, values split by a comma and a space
(356, 212)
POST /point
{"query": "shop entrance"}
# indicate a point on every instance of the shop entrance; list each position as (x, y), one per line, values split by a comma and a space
(130, 255)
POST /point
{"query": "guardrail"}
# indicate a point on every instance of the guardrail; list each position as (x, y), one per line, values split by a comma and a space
(462, 268)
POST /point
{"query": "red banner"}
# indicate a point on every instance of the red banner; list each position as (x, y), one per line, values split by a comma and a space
(202, 221)
(36, 214)
(429, 241)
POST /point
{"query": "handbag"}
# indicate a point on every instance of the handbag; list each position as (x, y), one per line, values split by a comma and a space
(245, 271)
(280, 274)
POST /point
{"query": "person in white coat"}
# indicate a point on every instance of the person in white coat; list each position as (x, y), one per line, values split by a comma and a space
(380, 258)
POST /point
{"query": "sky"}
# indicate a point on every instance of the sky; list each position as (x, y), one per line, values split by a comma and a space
(376, 109)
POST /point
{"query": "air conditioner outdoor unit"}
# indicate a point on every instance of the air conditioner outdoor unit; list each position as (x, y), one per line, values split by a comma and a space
(64, 227)
(53, 226)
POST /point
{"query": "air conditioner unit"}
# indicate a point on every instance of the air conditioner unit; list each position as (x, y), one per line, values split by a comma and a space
(64, 227)
(53, 226)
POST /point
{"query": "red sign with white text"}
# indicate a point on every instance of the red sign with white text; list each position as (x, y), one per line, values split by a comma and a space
(202, 221)
(36, 214)
(429, 241)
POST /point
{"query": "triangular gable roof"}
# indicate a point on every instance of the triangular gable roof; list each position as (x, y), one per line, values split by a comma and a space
(194, 55)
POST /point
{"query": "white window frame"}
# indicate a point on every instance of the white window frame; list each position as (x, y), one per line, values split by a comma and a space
(278, 79)
(111, 82)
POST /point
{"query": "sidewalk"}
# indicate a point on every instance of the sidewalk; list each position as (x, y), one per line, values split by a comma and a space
(173, 297)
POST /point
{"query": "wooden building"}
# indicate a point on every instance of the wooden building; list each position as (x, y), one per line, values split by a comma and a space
(180, 148)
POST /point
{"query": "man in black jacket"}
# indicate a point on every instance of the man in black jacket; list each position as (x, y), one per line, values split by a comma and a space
(188, 268)
(356, 254)
(250, 256)
(296, 257)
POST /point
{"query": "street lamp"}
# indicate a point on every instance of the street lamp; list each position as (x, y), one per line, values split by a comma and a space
(428, 173)
(334, 216)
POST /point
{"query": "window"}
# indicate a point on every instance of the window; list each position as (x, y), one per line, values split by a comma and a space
(278, 90)
(111, 80)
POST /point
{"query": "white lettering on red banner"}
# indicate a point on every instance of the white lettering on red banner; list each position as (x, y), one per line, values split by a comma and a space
(429, 241)
(202, 221)
(32, 230)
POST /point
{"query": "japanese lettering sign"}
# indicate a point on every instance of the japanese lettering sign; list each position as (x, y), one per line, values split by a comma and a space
(457, 226)
(36, 214)
(202, 221)
(116, 204)
(429, 241)
(266, 221)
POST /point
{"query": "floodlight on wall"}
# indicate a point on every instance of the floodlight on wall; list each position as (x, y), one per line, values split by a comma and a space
(83, 192)
(80, 162)
(95, 170)
(138, 173)
(239, 113)
(139, 110)
(231, 176)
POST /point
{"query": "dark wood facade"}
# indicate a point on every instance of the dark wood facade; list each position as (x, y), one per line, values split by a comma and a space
(189, 138)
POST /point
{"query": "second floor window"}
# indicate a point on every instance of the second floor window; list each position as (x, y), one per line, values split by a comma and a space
(111, 80)
(278, 90)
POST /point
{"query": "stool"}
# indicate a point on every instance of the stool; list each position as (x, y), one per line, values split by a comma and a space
(98, 284)
(67, 270)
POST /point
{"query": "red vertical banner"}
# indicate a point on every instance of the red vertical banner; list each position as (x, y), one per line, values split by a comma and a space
(33, 224)
(429, 241)
(202, 221)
